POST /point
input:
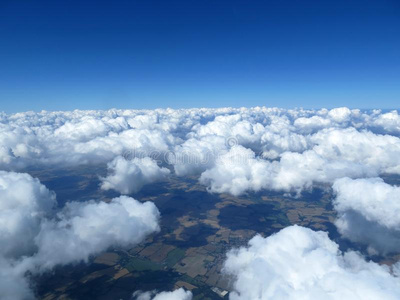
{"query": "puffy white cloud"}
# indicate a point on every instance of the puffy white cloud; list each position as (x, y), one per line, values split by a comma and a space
(298, 263)
(387, 122)
(179, 294)
(369, 212)
(338, 153)
(237, 171)
(312, 124)
(24, 203)
(34, 239)
(375, 151)
(84, 229)
(129, 176)
(276, 141)
(83, 129)
(195, 156)
(335, 153)
(340, 114)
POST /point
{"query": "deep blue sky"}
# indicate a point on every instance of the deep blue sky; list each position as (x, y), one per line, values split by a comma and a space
(196, 53)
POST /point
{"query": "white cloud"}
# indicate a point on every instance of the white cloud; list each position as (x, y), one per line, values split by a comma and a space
(388, 122)
(375, 151)
(298, 263)
(237, 171)
(369, 212)
(312, 124)
(13, 284)
(195, 156)
(34, 239)
(129, 176)
(179, 294)
(24, 203)
(340, 114)
(82, 137)
(84, 229)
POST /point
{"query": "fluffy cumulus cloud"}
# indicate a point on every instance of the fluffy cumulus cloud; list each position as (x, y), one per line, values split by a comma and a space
(239, 170)
(24, 203)
(83, 229)
(35, 238)
(179, 294)
(298, 263)
(369, 212)
(129, 176)
(387, 122)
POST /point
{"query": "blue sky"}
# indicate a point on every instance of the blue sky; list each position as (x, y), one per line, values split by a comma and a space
(62, 55)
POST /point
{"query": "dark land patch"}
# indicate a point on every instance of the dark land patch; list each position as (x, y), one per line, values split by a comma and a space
(258, 217)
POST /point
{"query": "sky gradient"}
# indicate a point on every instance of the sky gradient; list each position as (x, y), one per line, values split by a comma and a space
(63, 55)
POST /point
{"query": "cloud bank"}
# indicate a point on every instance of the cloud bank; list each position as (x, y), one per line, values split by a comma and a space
(328, 144)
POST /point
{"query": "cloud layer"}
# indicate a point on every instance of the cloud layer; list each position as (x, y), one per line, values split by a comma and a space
(329, 144)
(231, 150)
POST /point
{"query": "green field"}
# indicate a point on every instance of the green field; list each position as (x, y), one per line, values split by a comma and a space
(174, 256)
(138, 264)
